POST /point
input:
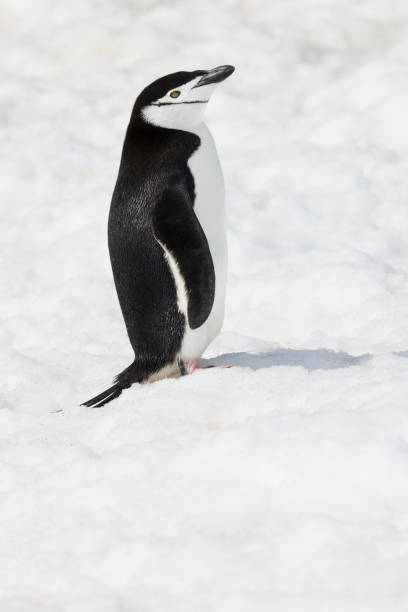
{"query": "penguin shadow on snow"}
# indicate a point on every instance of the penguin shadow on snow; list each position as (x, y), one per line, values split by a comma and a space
(318, 359)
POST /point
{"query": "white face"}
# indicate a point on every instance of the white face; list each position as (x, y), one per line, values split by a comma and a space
(181, 108)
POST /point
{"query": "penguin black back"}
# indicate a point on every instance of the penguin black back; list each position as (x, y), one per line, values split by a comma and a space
(153, 159)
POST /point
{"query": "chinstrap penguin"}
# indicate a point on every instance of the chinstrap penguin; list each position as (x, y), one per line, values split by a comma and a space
(166, 230)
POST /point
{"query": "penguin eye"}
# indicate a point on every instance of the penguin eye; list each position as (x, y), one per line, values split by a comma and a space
(174, 94)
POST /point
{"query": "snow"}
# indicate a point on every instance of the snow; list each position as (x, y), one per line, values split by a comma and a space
(280, 483)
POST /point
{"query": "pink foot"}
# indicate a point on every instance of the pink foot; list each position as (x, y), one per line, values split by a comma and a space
(188, 366)
(191, 365)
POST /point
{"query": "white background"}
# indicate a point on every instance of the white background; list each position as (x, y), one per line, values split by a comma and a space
(281, 483)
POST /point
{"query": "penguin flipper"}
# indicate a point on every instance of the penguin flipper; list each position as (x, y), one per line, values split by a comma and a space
(176, 225)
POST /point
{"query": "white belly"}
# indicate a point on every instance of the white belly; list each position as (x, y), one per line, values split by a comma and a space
(209, 207)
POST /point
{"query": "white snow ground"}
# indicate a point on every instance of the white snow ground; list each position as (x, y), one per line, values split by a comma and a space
(279, 484)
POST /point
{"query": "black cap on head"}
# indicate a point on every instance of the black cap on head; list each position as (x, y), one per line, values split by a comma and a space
(161, 86)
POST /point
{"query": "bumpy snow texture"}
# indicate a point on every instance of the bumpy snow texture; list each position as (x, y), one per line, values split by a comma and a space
(281, 483)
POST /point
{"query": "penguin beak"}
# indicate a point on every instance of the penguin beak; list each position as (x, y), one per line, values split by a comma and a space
(216, 75)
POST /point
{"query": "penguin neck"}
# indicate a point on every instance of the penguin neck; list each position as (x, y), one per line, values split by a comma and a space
(144, 143)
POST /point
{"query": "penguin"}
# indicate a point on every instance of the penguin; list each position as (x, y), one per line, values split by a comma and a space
(167, 230)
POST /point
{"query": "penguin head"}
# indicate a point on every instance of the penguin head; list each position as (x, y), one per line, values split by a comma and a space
(178, 100)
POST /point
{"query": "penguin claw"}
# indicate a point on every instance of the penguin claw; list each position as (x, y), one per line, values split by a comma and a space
(183, 371)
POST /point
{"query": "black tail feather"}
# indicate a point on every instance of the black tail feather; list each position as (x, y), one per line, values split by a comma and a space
(122, 381)
(137, 372)
(103, 398)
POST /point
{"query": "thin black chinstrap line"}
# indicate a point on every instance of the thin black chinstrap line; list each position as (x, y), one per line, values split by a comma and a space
(186, 102)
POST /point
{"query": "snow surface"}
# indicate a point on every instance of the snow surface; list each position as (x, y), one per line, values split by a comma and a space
(281, 483)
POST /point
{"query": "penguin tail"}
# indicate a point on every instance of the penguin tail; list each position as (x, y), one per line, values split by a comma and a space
(103, 398)
(123, 381)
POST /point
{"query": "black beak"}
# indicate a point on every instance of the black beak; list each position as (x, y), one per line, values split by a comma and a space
(216, 75)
